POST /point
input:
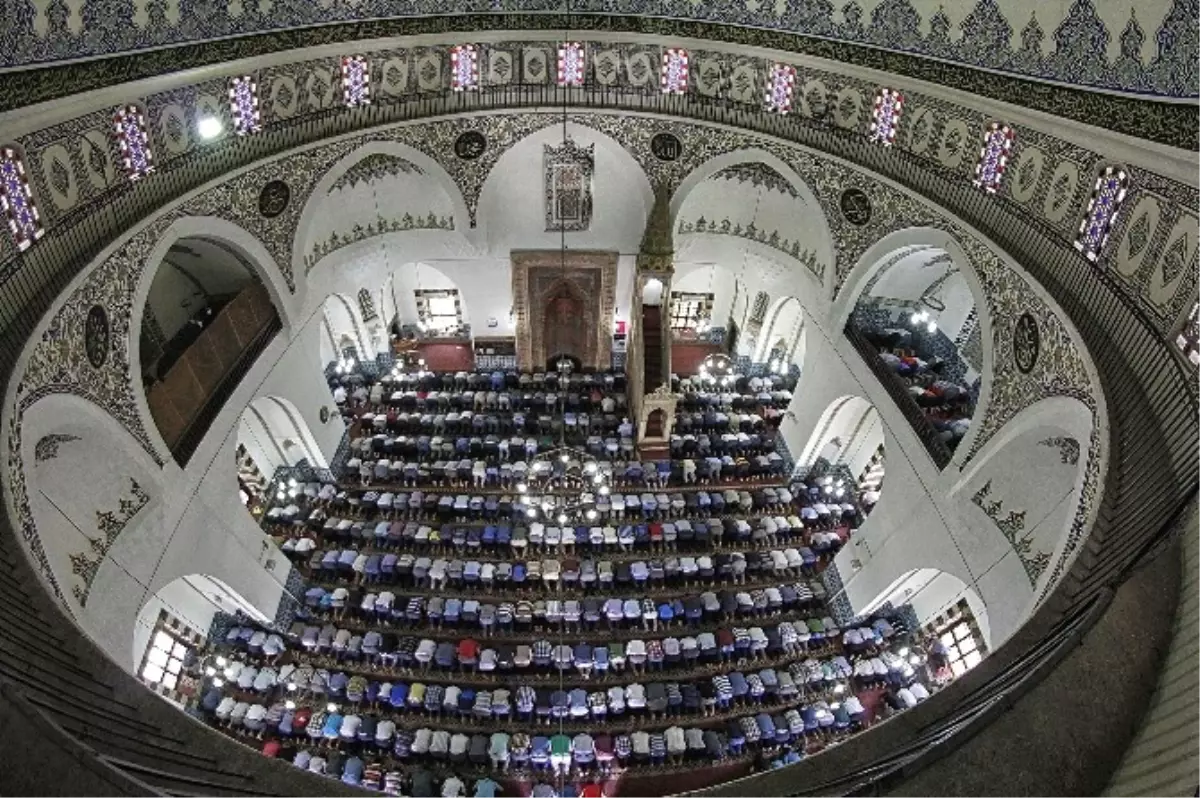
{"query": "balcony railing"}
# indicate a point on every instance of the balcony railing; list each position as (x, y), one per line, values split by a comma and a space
(186, 401)
(896, 388)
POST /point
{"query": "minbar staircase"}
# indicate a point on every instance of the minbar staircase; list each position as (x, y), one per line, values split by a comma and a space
(652, 348)
(652, 371)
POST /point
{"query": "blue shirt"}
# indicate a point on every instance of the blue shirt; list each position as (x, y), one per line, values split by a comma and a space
(485, 788)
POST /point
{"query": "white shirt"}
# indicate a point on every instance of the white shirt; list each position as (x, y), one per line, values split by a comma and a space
(452, 787)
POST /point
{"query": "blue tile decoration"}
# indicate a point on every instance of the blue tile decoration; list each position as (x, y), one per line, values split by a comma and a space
(291, 600)
(220, 625)
(835, 592)
(41, 33)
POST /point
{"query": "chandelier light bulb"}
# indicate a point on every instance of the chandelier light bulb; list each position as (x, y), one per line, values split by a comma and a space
(932, 326)
(591, 514)
(915, 319)
(218, 682)
(210, 671)
(222, 662)
(562, 518)
(839, 492)
(289, 704)
(914, 659)
(604, 490)
(566, 458)
(332, 707)
(839, 689)
(291, 687)
(904, 651)
(209, 127)
(590, 468)
(597, 479)
(532, 513)
(522, 487)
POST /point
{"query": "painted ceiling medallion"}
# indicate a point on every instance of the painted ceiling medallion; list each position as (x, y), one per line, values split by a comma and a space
(273, 199)
(1026, 343)
(666, 146)
(855, 206)
(96, 335)
(470, 145)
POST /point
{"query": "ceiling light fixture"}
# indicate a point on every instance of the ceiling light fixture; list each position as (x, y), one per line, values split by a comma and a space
(209, 127)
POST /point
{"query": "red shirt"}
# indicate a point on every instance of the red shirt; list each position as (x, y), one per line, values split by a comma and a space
(271, 748)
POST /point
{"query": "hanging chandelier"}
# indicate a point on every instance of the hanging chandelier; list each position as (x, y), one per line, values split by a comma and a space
(717, 368)
(563, 484)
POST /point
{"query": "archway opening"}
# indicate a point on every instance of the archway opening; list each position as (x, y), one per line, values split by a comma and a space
(206, 317)
(917, 323)
(844, 457)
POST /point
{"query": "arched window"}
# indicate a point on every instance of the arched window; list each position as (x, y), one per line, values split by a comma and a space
(886, 117)
(130, 125)
(759, 311)
(16, 200)
(1107, 197)
(993, 156)
(366, 305)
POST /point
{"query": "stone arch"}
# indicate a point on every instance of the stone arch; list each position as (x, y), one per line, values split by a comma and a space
(909, 246)
(276, 435)
(848, 434)
(250, 252)
(320, 192)
(85, 517)
(1024, 488)
(195, 600)
(823, 243)
(511, 209)
(930, 591)
(785, 319)
(343, 322)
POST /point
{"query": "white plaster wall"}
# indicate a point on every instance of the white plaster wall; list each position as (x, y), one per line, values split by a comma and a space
(699, 278)
(512, 210)
(174, 299)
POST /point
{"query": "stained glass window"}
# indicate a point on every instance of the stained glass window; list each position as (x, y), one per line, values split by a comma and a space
(243, 105)
(16, 199)
(130, 124)
(886, 118)
(780, 86)
(464, 67)
(1101, 215)
(993, 157)
(1188, 339)
(570, 64)
(674, 71)
(356, 81)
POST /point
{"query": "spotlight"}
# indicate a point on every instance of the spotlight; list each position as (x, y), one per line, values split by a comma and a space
(209, 127)
(331, 708)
